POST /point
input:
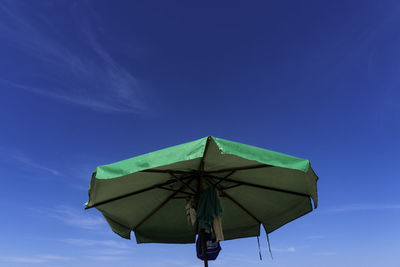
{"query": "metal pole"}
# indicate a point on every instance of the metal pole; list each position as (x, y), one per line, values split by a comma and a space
(201, 177)
(202, 234)
(204, 246)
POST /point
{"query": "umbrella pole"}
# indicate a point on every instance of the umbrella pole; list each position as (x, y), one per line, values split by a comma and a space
(199, 189)
(204, 246)
(201, 232)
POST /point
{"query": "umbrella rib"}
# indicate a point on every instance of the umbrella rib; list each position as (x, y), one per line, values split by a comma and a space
(248, 213)
(262, 187)
(225, 177)
(231, 186)
(182, 197)
(240, 206)
(133, 193)
(241, 168)
(244, 209)
(158, 207)
(234, 201)
(182, 182)
(176, 190)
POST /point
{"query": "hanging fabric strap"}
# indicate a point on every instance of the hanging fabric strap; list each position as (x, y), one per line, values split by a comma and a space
(259, 249)
(269, 246)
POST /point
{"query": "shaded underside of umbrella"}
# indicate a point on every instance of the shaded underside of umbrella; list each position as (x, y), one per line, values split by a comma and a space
(147, 194)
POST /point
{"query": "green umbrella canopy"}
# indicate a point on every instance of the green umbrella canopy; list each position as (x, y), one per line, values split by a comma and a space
(147, 194)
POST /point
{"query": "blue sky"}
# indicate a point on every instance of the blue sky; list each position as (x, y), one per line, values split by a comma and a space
(86, 83)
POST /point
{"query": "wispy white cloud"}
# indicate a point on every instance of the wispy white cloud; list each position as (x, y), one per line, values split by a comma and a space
(113, 251)
(23, 259)
(93, 79)
(366, 207)
(105, 258)
(101, 250)
(13, 156)
(289, 249)
(74, 217)
(33, 260)
(78, 177)
(55, 257)
(28, 162)
(103, 243)
(78, 218)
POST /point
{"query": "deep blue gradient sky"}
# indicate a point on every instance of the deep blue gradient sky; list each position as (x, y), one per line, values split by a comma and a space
(86, 83)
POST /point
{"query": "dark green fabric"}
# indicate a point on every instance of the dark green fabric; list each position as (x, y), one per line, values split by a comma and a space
(207, 208)
(168, 224)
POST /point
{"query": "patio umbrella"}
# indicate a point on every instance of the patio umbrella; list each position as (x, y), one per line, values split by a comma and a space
(147, 194)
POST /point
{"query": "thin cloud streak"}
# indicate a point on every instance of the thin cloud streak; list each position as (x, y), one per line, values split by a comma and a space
(366, 207)
(55, 257)
(15, 156)
(289, 249)
(70, 216)
(94, 104)
(28, 162)
(119, 250)
(33, 260)
(96, 243)
(105, 258)
(95, 80)
(22, 259)
(77, 218)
